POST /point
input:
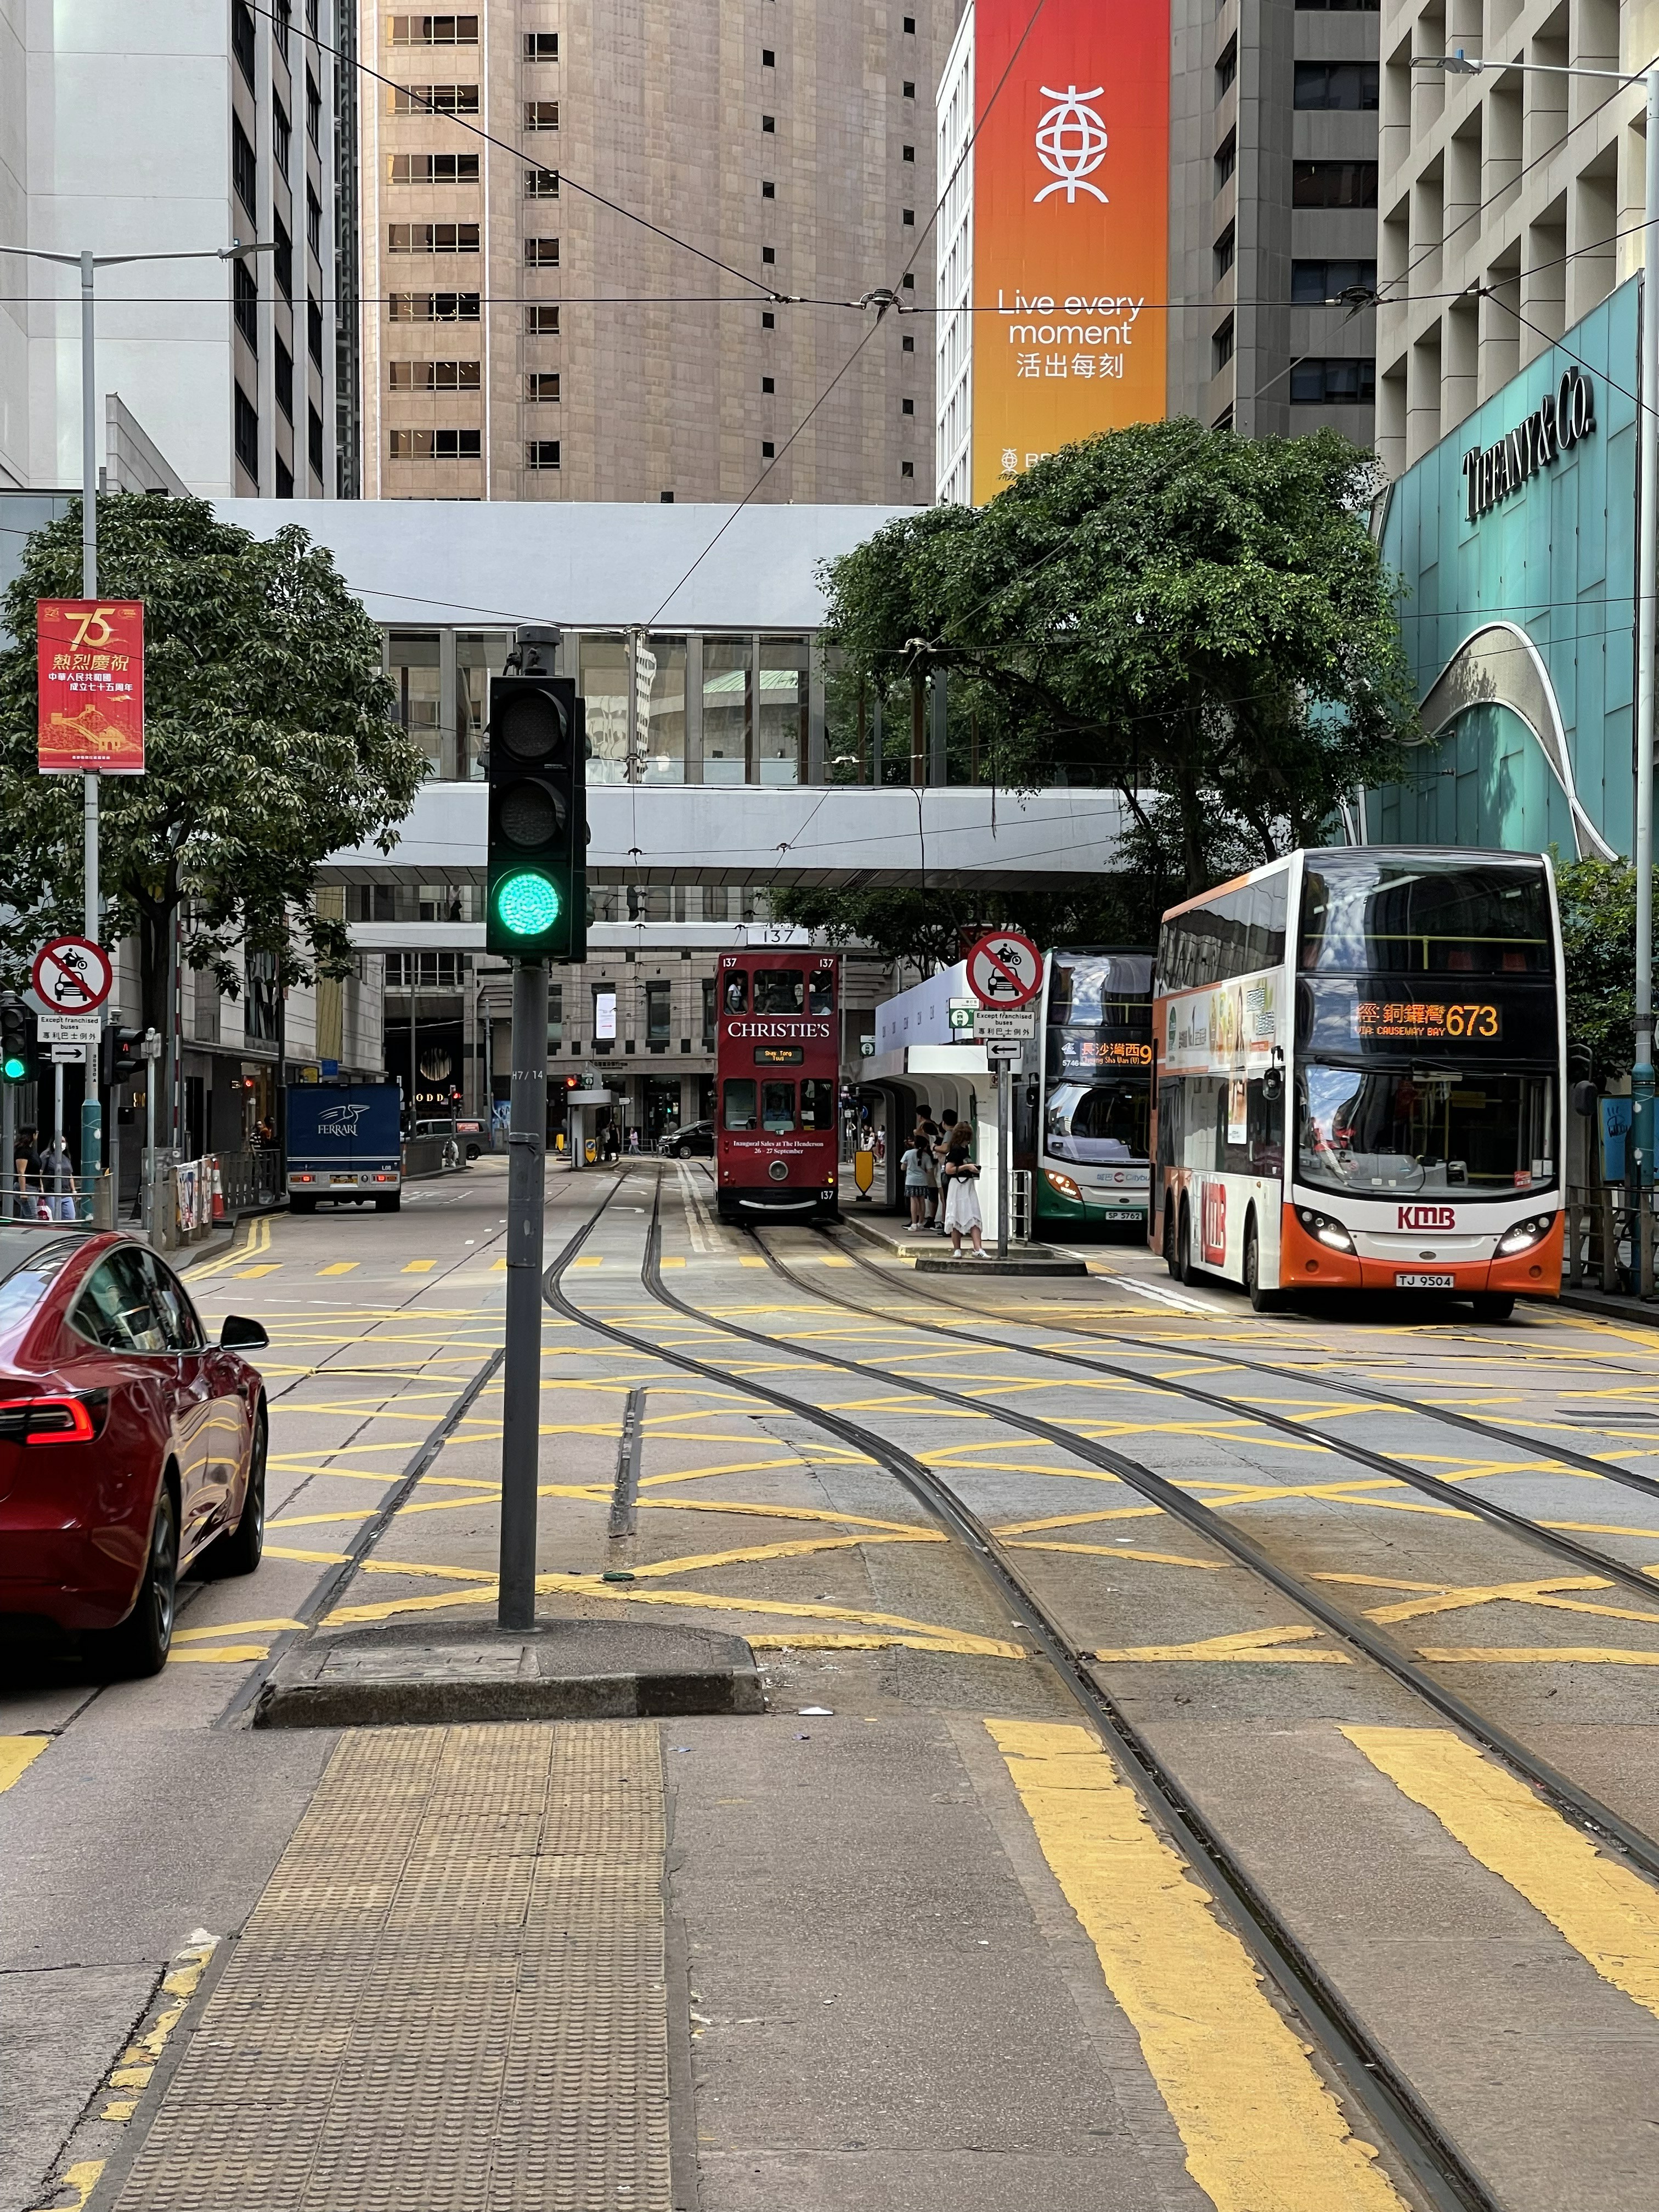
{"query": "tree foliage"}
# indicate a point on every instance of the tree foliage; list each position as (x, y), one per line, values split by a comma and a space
(269, 744)
(1598, 942)
(936, 927)
(1200, 620)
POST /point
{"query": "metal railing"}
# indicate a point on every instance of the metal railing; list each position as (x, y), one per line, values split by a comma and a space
(88, 1201)
(1598, 1248)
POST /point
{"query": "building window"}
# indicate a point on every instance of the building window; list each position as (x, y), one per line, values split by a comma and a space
(433, 168)
(242, 39)
(659, 1024)
(769, 190)
(314, 112)
(432, 238)
(769, 320)
(434, 30)
(284, 380)
(907, 468)
(282, 24)
(767, 254)
(908, 153)
(542, 386)
(909, 218)
(281, 261)
(1336, 84)
(435, 99)
(1224, 252)
(1227, 159)
(284, 479)
(281, 136)
(315, 330)
(542, 453)
(768, 450)
(910, 26)
(245, 303)
(1345, 7)
(907, 345)
(541, 115)
(247, 434)
(768, 384)
(907, 407)
(1319, 283)
(541, 253)
(311, 19)
(314, 439)
(1334, 383)
(768, 59)
(426, 308)
(541, 45)
(909, 89)
(708, 1022)
(541, 322)
(769, 123)
(1227, 68)
(435, 444)
(1334, 185)
(435, 376)
(313, 223)
(244, 170)
(907, 282)
(1221, 346)
(541, 184)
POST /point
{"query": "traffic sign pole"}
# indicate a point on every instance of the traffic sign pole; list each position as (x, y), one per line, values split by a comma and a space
(1004, 1093)
(1005, 974)
(521, 1371)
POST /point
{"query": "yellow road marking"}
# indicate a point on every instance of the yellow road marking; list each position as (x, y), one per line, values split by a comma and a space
(761, 1512)
(82, 2177)
(419, 1266)
(751, 1263)
(231, 1628)
(589, 1260)
(340, 1267)
(264, 1268)
(1608, 1914)
(797, 1547)
(1263, 1643)
(16, 1753)
(668, 1259)
(228, 1651)
(1122, 1552)
(1536, 1655)
(1259, 2126)
(1536, 1593)
(1078, 1520)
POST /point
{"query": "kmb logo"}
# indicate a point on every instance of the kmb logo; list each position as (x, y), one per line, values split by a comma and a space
(1428, 1217)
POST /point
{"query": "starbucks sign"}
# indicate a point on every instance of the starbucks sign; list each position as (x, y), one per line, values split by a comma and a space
(1560, 419)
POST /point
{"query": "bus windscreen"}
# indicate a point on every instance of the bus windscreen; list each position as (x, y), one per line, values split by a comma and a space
(1097, 1124)
(1390, 916)
(1375, 1133)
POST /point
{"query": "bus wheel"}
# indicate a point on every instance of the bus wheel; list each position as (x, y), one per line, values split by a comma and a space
(1261, 1301)
(1494, 1306)
(1184, 1272)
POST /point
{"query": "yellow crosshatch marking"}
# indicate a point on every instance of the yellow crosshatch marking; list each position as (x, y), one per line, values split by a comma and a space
(1254, 1643)
(338, 1267)
(1534, 1655)
(18, 1752)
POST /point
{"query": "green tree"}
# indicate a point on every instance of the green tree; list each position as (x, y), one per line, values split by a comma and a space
(269, 744)
(1598, 942)
(1201, 621)
(938, 926)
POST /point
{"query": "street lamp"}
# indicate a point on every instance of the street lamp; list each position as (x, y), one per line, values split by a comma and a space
(88, 263)
(1642, 1075)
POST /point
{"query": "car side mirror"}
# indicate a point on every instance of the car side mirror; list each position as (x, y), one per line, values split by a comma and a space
(238, 1333)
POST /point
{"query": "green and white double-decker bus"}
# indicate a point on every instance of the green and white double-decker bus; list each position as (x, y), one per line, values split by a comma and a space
(1094, 1113)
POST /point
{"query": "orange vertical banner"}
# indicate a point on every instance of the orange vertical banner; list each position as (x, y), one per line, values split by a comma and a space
(1071, 225)
(89, 681)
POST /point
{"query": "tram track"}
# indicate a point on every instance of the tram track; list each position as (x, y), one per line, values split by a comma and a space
(1357, 2067)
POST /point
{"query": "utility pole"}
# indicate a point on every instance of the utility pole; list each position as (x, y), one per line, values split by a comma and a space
(522, 1375)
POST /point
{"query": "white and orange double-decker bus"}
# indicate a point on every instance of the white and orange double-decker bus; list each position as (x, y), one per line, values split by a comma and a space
(1360, 1061)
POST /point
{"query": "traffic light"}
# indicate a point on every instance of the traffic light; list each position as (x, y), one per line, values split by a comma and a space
(537, 905)
(120, 1056)
(17, 1037)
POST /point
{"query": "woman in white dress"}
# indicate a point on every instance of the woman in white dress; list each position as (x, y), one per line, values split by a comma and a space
(962, 1215)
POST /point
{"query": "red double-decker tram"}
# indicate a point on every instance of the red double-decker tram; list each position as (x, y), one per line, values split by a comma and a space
(777, 1066)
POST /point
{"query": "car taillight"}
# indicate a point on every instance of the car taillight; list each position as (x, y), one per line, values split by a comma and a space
(52, 1420)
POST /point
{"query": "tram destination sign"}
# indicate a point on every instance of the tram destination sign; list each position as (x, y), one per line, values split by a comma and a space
(1560, 419)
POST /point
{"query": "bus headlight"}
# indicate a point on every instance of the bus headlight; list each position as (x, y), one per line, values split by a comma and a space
(1525, 1234)
(1326, 1230)
(1063, 1184)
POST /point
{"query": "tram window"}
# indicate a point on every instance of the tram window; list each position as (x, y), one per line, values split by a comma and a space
(740, 1102)
(817, 1104)
(735, 997)
(777, 1107)
(821, 993)
(779, 991)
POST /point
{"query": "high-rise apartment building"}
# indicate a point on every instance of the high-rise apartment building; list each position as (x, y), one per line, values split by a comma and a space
(524, 337)
(1274, 186)
(1511, 199)
(161, 130)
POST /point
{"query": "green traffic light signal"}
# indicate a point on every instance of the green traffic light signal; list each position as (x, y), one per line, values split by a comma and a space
(527, 904)
(15, 1067)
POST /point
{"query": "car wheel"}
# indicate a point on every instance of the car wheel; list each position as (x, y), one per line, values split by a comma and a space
(240, 1551)
(140, 1646)
(681, 1151)
(1494, 1306)
(1261, 1301)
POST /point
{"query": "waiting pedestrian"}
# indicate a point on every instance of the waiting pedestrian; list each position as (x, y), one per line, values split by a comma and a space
(950, 1131)
(55, 1174)
(916, 1164)
(962, 1214)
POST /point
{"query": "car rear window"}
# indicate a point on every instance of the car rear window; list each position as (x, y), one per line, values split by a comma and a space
(28, 1267)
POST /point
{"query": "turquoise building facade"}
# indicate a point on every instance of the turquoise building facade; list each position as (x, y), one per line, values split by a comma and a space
(1515, 543)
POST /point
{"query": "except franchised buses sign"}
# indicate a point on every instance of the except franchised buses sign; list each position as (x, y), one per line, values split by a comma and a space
(90, 686)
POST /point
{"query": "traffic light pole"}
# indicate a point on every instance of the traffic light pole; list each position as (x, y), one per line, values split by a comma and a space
(522, 1375)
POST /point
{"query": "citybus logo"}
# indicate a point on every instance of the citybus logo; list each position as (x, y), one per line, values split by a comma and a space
(1071, 143)
(1428, 1217)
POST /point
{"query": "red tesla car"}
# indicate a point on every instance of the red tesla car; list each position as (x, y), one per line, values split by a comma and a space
(130, 1448)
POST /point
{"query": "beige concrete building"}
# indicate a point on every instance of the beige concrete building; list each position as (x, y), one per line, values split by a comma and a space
(1510, 202)
(523, 338)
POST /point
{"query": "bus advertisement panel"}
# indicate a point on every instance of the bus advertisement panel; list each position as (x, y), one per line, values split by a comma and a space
(1095, 1108)
(777, 1066)
(1360, 1070)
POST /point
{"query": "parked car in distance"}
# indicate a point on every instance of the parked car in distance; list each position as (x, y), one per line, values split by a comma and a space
(695, 1140)
(132, 1450)
(461, 1140)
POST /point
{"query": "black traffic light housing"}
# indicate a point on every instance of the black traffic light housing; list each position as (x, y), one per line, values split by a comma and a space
(18, 1037)
(537, 897)
(120, 1056)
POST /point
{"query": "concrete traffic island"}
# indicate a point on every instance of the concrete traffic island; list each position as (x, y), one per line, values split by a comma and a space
(1034, 1262)
(429, 1675)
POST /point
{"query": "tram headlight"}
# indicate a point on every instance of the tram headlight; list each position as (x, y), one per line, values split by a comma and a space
(1063, 1184)
(1326, 1230)
(1525, 1234)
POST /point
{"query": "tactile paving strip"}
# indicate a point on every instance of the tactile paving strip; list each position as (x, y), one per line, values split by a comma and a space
(451, 1995)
